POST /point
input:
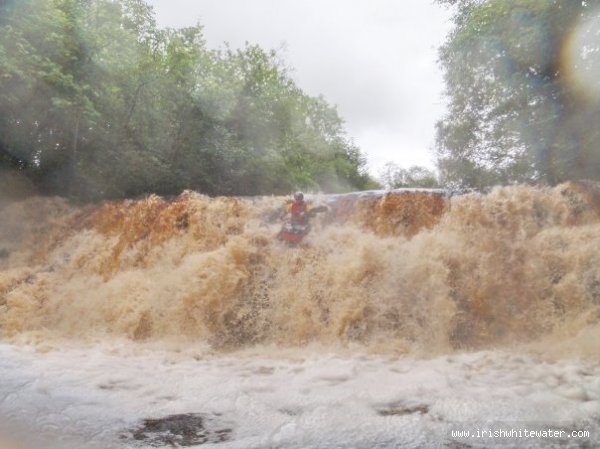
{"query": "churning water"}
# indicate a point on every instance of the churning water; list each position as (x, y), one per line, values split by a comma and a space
(166, 322)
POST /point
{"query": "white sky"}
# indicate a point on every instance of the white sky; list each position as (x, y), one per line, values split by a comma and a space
(374, 59)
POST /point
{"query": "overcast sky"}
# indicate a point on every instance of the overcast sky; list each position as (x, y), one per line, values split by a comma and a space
(374, 59)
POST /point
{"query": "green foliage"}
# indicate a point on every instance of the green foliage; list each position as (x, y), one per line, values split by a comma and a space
(514, 113)
(395, 177)
(96, 101)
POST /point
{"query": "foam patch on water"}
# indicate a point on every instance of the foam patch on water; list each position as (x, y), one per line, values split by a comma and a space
(104, 396)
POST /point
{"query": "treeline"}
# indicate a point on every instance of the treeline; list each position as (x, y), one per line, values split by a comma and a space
(97, 101)
(392, 176)
(523, 83)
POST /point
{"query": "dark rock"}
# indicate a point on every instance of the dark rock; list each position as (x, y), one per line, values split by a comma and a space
(181, 431)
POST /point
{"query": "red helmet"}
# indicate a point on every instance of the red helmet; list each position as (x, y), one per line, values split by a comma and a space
(298, 196)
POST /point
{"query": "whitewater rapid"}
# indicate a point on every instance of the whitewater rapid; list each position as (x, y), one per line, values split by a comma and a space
(402, 317)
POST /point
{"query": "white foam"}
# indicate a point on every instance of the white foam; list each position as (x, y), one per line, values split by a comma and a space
(288, 399)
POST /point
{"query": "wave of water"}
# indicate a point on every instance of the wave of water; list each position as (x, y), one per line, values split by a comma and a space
(407, 271)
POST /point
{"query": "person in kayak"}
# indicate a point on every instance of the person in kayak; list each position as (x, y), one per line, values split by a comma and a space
(299, 211)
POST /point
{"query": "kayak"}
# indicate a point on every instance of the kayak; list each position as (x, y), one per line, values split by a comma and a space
(293, 234)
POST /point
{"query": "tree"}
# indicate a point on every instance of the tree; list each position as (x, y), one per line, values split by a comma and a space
(395, 177)
(514, 113)
(97, 102)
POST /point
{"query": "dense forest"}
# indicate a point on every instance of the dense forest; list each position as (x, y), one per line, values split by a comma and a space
(523, 87)
(97, 101)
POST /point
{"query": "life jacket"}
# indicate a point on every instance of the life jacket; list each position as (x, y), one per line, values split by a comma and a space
(298, 210)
